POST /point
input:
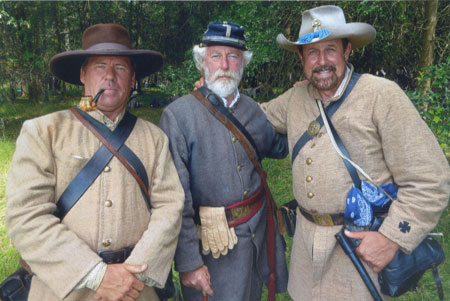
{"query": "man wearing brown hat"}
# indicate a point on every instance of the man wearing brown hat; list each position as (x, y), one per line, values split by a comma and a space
(383, 134)
(96, 219)
(228, 245)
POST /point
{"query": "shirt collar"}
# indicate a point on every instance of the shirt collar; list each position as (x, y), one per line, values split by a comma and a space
(98, 115)
(235, 99)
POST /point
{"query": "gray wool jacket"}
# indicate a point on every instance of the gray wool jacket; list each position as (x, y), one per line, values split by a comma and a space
(216, 171)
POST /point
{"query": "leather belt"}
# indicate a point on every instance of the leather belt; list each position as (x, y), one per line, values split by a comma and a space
(323, 219)
(242, 211)
(118, 256)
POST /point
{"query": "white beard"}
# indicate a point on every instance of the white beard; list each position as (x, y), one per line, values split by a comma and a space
(222, 87)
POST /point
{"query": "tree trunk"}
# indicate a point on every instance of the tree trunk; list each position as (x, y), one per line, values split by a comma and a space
(427, 57)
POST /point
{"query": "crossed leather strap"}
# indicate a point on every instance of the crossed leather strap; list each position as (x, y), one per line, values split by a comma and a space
(271, 206)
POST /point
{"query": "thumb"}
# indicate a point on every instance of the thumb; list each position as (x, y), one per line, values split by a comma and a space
(357, 235)
(136, 268)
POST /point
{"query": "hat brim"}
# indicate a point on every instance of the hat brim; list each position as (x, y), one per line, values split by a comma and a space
(359, 34)
(66, 65)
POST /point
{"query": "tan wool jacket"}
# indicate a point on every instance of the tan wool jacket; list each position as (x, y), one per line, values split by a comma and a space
(111, 214)
(385, 135)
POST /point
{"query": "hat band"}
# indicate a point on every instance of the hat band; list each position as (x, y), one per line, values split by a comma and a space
(108, 46)
(221, 39)
(313, 36)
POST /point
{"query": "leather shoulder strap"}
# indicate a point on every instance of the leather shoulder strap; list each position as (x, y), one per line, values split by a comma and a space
(214, 99)
(330, 110)
(97, 163)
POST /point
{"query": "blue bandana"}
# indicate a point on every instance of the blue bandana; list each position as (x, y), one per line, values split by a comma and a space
(317, 35)
(362, 204)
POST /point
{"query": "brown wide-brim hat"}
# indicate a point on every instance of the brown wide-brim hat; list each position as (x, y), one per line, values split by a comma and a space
(104, 40)
(325, 23)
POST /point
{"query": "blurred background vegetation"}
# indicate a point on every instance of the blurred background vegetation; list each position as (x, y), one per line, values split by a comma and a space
(412, 48)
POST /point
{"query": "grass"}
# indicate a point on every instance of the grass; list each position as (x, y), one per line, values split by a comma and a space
(279, 180)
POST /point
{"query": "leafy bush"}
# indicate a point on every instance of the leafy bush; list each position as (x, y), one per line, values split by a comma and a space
(179, 80)
(434, 104)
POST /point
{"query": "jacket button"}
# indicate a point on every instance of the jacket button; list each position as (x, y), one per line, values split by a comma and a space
(106, 242)
(233, 139)
(308, 179)
(239, 167)
(107, 169)
(230, 110)
(310, 195)
(108, 203)
(245, 192)
(321, 134)
(308, 161)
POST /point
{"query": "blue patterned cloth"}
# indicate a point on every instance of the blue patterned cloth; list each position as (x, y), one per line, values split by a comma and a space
(362, 204)
(308, 38)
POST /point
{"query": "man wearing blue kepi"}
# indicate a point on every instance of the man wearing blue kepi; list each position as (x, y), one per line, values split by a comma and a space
(383, 134)
(228, 246)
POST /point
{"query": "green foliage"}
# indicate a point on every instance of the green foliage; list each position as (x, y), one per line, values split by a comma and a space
(180, 80)
(434, 104)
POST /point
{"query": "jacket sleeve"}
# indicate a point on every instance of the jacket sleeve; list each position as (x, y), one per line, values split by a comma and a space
(41, 239)
(417, 164)
(158, 242)
(276, 111)
(187, 255)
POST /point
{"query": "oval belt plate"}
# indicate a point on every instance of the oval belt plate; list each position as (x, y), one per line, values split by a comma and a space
(313, 128)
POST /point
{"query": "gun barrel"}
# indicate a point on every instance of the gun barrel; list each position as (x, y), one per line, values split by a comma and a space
(346, 245)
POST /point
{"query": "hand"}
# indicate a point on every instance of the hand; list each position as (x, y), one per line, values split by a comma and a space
(198, 279)
(198, 84)
(375, 248)
(119, 282)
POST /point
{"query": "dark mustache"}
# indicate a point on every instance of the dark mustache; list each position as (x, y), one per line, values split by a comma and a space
(324, 68)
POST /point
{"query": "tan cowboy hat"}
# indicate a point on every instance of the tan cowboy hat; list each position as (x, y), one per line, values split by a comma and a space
(325, 23)
(104, 40)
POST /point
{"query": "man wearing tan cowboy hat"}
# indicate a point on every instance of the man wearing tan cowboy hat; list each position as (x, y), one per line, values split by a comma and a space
(77, 215)
(383, 134)
(223, 243)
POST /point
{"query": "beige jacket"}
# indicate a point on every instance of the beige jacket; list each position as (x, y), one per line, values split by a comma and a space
(50, 151)
(383, 134)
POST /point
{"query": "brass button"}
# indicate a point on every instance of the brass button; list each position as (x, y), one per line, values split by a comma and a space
(253, 235)
(107, 169)
(308, 179)
(239, 167)
(245, 192)
(321, 134)
(309, 161)
(106, 242)
(310, 195)
(312, 146)
(108, 203)
(233, 139)
(231, 111)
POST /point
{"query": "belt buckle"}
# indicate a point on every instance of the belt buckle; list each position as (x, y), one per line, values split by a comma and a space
(323, 219)
(239, 212)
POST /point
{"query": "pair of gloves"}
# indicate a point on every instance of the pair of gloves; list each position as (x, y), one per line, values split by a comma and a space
(217, 238)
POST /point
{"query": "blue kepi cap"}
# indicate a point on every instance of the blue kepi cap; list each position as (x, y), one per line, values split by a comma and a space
(224, 33)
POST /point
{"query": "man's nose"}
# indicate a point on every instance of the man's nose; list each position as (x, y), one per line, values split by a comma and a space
(224, 63)
(110, 73)
(322, 58)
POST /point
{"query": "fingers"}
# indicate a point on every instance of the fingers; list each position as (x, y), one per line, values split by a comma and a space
(119, 282)
(375, 249)
(357, 235)
(135, 268)
(198, 279)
